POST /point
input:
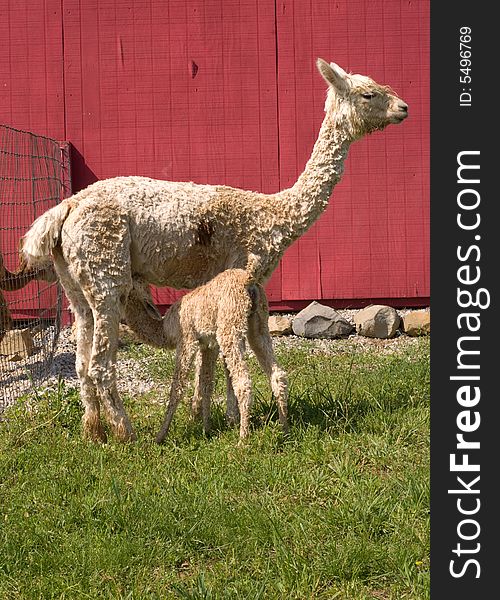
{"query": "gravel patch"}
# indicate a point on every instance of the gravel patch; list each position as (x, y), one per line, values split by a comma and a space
(16, 376)
(353, 343)
(132, 377)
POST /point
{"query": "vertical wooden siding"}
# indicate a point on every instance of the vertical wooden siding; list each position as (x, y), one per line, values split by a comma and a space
(31, 98)
(174, 90)
(373, 240)
(31, 66)
(226, 91)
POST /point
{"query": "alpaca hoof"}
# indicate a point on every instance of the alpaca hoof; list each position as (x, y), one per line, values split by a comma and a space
(124, 433)
(93, 430)
(160, 438)
(195, 416)
(127, 437)
(232, 419)
(98, 437)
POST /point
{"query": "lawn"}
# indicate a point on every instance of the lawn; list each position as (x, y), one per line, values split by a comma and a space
(337, 509)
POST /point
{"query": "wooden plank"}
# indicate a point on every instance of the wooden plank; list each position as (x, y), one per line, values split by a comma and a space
(174, 90)
(31, 73)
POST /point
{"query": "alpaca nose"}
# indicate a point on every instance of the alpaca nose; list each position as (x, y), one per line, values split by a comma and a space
(403, 107)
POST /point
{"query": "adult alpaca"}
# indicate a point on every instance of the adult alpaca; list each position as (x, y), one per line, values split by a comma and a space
(133, 231)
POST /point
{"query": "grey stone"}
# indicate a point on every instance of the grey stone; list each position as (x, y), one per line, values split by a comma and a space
(320, 321)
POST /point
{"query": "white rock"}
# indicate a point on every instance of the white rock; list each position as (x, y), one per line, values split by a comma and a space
(417, 322)
(280, 325)
(17, 344)
(377, 321)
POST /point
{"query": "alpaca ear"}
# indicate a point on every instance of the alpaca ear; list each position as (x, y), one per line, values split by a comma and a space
(152, 311)
(333, 75)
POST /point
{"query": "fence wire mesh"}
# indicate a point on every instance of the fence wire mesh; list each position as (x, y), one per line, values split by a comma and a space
(34, 176)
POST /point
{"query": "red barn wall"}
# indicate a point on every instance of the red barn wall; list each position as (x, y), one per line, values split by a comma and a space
(226, 91)
(373, 240)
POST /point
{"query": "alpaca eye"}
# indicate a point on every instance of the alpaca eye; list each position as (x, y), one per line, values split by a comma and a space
(368, 95)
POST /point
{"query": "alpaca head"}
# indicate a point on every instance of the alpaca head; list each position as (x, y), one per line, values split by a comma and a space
(359, 104)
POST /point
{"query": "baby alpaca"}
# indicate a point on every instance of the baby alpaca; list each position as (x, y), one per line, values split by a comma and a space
(220, 315)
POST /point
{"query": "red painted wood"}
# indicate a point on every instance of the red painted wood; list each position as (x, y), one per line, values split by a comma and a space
(31, 75)
(373, 240)
(174, 90)
(31, 98)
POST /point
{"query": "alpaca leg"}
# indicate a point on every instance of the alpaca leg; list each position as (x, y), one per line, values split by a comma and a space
(206, 383)
(5, 318)
(261, 343)
(234, 357)
(184, 358)
(102, 368)
(95, 247)
(232, 411)
(205, 360)
(196, 401)
(84, 328)
(91, 421)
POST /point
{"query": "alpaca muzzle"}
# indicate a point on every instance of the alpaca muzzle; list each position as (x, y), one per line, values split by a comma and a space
(401, 111)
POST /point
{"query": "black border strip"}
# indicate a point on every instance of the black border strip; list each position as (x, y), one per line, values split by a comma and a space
(456, 128)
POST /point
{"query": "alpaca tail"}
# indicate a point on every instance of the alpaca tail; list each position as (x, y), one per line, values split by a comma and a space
(254, 269)
(43, 236)
(253, 285)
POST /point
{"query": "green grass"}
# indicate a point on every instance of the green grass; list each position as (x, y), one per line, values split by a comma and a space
(338, 509)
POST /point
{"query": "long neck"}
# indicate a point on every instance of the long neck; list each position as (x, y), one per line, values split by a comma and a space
(170, 326)
(309, 196)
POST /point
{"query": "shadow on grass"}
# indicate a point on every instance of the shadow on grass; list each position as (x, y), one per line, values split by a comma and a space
(333, 414)
(339, 399)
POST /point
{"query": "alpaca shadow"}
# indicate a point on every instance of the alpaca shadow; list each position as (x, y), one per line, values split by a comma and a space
(218, 424)
(64, 364)
(330, 413)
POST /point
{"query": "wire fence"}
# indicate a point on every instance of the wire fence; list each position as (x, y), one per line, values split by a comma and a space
(34, 176)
